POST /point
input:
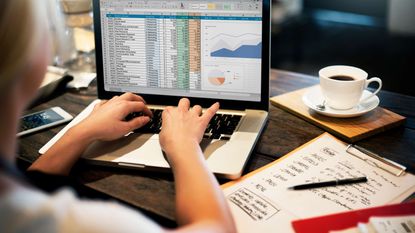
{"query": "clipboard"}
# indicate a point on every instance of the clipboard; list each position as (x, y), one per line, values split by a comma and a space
(364, 154)
(375, 160)
(230, 183)
(260, 201)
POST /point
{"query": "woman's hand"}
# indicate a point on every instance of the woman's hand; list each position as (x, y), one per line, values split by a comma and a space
(181, 133)
(107, 120)
(183, 125)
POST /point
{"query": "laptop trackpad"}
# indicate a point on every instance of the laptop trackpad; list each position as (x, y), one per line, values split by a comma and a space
(112, 150)
(209, 146)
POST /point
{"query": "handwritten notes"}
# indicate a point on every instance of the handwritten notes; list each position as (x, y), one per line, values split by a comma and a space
(262, 200)
(253, 205)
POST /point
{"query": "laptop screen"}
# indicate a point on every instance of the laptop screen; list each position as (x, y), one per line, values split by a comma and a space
(203, 49)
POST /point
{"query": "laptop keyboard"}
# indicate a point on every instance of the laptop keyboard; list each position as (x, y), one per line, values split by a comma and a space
(221, 126)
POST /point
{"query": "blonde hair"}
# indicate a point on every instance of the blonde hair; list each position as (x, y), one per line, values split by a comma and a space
(20, 32)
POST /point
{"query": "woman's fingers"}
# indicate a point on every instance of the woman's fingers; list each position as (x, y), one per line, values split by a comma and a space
(132, 97)
(137, 122)
(134, 106)
(131, 103)
(197, 109)
(210, 112)
(184, 104)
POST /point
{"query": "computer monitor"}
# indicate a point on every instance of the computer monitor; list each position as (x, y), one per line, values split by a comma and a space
(198, 49)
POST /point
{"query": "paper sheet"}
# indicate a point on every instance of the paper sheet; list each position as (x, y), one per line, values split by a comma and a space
(396, 224)
(53, 74)
(262, 203)
(402, 224)
(81, 79)
(348, 230)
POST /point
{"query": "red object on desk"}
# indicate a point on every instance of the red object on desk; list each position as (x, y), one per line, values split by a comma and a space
(344, 220)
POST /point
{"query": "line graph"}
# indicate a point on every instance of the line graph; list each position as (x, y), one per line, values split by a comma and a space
(245, 45)
(244, 51)
(256, 35)
(231, 55)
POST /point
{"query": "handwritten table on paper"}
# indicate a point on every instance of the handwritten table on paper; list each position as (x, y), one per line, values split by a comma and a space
(261, 202)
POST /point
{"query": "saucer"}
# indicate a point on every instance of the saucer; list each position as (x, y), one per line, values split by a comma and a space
(314, 97)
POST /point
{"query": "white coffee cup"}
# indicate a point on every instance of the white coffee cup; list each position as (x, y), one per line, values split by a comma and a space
(342, 86)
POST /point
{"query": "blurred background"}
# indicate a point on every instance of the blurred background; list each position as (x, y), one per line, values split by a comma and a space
(375, 35)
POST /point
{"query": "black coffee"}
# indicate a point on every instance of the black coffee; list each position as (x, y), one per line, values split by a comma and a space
(342, 78)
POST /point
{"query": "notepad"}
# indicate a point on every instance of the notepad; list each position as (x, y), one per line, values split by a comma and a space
(261, 202)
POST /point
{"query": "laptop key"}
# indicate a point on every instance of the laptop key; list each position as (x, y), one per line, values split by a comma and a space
(221, 126)
(227, 138)
(154, 125)
(214, 136)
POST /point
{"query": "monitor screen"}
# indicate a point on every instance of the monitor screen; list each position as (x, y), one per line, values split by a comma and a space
(204, 49)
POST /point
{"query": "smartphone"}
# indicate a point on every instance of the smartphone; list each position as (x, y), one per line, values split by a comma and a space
(43, 119)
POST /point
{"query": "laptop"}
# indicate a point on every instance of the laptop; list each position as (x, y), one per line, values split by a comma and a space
(207, 51)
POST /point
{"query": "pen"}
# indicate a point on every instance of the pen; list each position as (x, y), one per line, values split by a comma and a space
(329, 183)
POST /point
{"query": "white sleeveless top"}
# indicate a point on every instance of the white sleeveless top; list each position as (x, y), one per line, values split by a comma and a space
(27, 210)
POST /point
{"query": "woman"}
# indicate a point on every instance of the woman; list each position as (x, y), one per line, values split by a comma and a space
(25, 50)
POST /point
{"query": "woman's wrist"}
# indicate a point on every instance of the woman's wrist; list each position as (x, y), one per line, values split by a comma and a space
(81, 134)
(188, 151)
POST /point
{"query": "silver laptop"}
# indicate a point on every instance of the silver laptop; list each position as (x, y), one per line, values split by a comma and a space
(207, 51)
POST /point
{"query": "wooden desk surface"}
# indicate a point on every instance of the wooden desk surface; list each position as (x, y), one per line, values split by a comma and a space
(154, 193)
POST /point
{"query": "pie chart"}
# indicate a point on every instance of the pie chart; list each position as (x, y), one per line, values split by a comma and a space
(216, 77)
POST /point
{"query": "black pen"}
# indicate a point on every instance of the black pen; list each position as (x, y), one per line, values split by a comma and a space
(329, 183)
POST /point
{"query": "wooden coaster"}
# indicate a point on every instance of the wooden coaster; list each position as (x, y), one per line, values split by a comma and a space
(349, 129)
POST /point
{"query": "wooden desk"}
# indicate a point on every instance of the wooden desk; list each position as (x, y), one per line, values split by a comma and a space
(154, 192)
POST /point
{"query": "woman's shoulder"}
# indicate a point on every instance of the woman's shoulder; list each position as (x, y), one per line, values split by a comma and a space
(25, 209)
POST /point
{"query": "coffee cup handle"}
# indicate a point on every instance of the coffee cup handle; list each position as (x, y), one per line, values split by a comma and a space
(374, 79)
